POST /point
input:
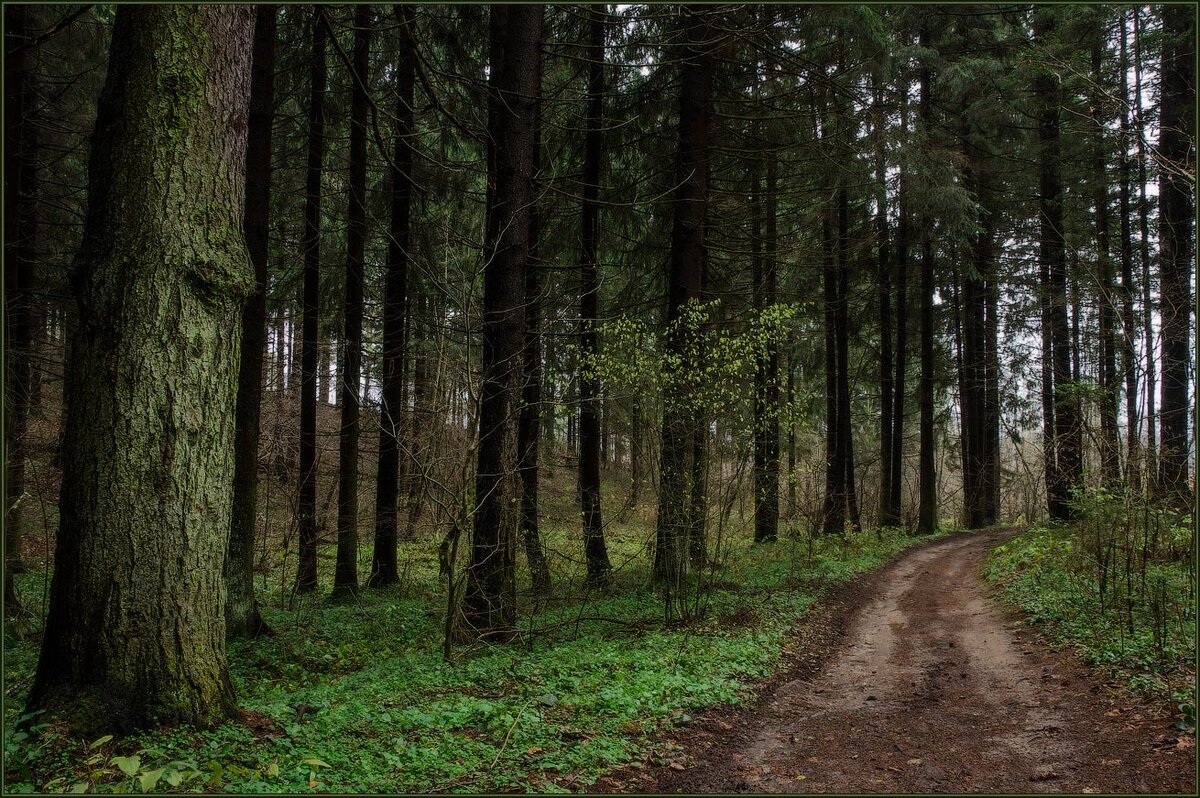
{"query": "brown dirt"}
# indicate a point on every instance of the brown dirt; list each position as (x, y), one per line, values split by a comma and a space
(914, 680)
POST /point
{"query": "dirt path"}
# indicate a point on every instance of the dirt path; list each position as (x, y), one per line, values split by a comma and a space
(931, 689)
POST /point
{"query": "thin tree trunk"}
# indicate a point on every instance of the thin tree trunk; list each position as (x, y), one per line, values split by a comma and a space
(392, 415)
(1109, 444)
(242, 618)
(306, 573)
(899, 385)
(345, 576)
(135, 634)
(927, 507)
(1133, 474)
(595, 551)
(529, 421)
(884, 277)
(1151, 467)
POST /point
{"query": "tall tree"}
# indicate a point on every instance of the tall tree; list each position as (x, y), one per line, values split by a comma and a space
(1133, 459)
(528, 422)
(927, 505)
(489, 604)
(391, 412)
(1109, 442)
(345, 575)
(136, 630)
(835, 453)
(672, 551)
(19, 220)
(242, 618)
(1176, 212)
(306, 573)
(595, 551)
(1148, 336)
(884, 283)
(1063, 457)
(899, 384)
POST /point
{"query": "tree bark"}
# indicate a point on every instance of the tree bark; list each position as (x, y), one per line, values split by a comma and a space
(899, 385)
(1063, 462)
(1151, 466)
(306, 573)
(345, 575)
(489, 604)
(136, 629)
(392, 413)
(927, 506)
(242, 618)
(1176, 212)
(884, 283)
(529, 421)
(685, 280)
(1109, 441)
(1133, 470)
(595, 551)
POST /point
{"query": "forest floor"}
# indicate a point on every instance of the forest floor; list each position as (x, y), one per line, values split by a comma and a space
(914, 680)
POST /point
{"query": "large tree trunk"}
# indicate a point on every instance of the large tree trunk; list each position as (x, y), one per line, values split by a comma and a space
(595, 551)
(345, 575)
(242, 618)
(306, 573)
(927, 505)
(392, 414)
(685, 279)
(1063, 462)
(489, 604)
(1176, 211)
(136, 629)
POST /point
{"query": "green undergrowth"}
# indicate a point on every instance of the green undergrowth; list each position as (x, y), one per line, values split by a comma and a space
(357, 697)
(1140, 629)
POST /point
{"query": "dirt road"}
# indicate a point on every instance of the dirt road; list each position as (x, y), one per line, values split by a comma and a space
(930, 689)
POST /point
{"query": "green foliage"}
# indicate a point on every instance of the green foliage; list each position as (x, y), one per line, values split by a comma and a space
(349, 698)
(1115, 588)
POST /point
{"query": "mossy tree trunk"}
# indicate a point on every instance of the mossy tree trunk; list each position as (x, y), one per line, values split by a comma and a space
(136, 630)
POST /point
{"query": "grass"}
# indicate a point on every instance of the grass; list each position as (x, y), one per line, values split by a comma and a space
(356, 697)
(1140, 630)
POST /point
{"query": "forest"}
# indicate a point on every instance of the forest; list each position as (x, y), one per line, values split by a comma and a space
(614, 398)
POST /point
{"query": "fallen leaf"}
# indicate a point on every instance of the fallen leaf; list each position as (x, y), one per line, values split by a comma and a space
(676, 766)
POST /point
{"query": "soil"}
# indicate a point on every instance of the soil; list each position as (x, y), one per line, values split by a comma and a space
(916, 680)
